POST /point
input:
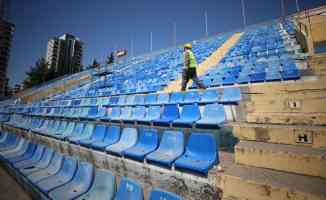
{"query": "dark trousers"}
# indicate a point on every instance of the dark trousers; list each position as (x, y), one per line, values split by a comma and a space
(190, 73)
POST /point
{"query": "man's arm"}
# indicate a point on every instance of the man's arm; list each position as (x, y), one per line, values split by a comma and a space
(186, 58)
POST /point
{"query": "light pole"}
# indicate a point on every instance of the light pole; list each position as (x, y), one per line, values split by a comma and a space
(206, 24)
(244, 17)
(151, 41)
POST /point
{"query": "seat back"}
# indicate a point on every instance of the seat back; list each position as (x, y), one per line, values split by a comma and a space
(209, 96)
(191, 97)
(172, 141)
(163, 98)
(69, 167)
(126, 112)
(176, 97)
(150, 99)
(158, 194)
(148, 137)
(231, 95)
(99, 132)
(112, 134)
(104, 185)
(84, 175)
(38, 152)
(139, 112)
(139, 100)
(128, 136)
(62, 127)
(88, 130)
(69, 128)
(92, 112)
(55, 163)
(115, 112)
(122, 100)
(214, 112)
(154, 112)
(130, 100)
(114, 100)
(47, 156)
(129, 190)
(202, 145)
(190, 112)
(78, 129)
(171, 112)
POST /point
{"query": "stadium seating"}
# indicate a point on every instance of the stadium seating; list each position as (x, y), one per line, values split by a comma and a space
(112, 136)
(171, 147)
(169, 114)
(41, 164)
(189, 115)
(128, 139)
(97, 136)
(213, 116)
(157, 194)
(129, 190)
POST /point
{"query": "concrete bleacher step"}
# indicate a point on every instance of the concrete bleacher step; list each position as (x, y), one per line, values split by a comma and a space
(308, 136)
(289, 158)
(251, 183)
(210, 62)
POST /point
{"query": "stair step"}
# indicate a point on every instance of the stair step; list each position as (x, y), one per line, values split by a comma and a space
(296, 159)
(243, 182)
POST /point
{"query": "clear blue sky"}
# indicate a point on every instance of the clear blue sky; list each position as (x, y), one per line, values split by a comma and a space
(107, 24)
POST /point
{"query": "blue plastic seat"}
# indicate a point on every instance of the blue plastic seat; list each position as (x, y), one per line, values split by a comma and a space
(200, 155)
(112, 136)
(97, 136)
(130, 100)
(290, 74)
(191, 97)
(113, 101)
(78, 129)
(37, 155)
(147, 143)
(158, 194)
(41, 164)
(210, 96)
(170, 113)
(257, 77)
(128, 139)
(138, 113)
(273, 76)
(129, 190)
(25, 154)
(103, 187)
(176, 98)
(150, 99)
(243, 79)
(153, 113)
(70, 127)
(78, 186)
(92, 112)
(213, 116)
(17, 151)
(126, 114)
(122, 100)
(229, 80)
(52, 169)
(65, 175)
(189, 115)
(114, 115)
(171, 147)
(60, 129)
(84, 135)
(162, 98)
(231, 96)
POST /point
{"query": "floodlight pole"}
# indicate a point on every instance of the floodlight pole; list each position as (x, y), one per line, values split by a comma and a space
(151, 41)
(206, 24)
(244, 17)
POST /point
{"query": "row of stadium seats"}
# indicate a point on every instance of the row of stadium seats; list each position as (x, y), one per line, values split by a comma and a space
(199, 155)
(60, 177)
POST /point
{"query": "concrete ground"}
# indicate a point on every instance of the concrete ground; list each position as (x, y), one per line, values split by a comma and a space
(10, 189)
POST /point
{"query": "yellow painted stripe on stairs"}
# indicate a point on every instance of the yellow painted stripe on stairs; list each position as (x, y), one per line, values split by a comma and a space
(210, 62)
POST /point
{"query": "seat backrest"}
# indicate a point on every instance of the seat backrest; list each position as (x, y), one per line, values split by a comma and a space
(190, 111)
(163, 98)
(154, 112)
(158, 194)
(176, 97)
(38, 152)
(214, 112)
(172, 141)
(115, 112)
(130, 100)
(170, 111)
(104, 184)
(99, 132)
(191, 97)
(56, 163)
(62, 126)
(114, 100)
(112, 134)
(47, 156)
(210, 96)
(148, 137)
(231, 95)
(122, 100)
(128, 136)
(139, 112)
(69, 128)
(84, 175)
(202, 144)
(150, 99)
(126, 112)
(93, 111)
(88, 130)
(129, 190)
(69, 166)
(79, 128)
(139, 100)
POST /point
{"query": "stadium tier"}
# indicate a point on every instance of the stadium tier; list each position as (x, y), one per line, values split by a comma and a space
(153, 144)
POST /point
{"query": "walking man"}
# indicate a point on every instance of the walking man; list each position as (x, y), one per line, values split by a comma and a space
(189, 69)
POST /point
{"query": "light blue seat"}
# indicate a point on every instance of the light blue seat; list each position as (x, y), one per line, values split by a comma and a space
(176, 98)
(25, 154)
(122, 100)
(103, 187)
(200, 155)
(191, 97)
(78, 186)
(231, 96)
(128, 139)
(70, 126)
(41, 164)
(162, 98)
(17, 151)
(130, 100)
(65, 175)
(32, 160)
(85, 134)
(170, 113)
(60, 129)
(129, 190)
(52, 169)
(210, 96)
(78, 129)
(138, 113)
(126, 114)
(171, 147)
(139, 100)
(97, 136)
(213, 116)
(112, 136)
(189, 115)
(151, 99)
(147, 143)
(153, 113)
(158, 194)
(114, 115)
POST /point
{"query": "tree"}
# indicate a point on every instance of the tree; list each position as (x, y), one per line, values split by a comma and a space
(38, 74)
(95, 64)
(110, 58)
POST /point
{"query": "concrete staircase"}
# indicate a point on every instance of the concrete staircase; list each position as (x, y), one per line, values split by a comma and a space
(210, 62)
(282, 150)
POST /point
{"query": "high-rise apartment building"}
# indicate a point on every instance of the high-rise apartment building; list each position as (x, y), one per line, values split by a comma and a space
(64, 54)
